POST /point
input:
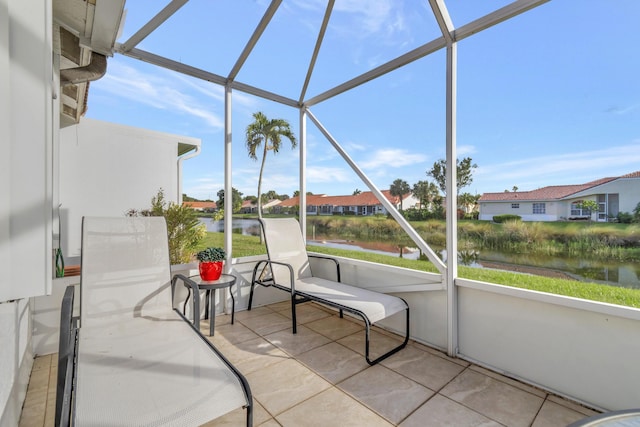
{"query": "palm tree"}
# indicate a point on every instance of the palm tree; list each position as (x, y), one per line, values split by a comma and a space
(266, 133)
(425, 192)
(398, 189)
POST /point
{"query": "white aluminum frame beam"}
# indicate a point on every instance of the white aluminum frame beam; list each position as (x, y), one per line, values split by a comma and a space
(302, 199)
(257, 33)
(316, 49)
(154, 23)
(452, 200)
(228, 184)
(442, 18)
(507, 12)
(381, 198)
(407, 58)
(170, 64)
(198, 73)
(252, 90)
(449, 39)
(446, 27)
(489, 20)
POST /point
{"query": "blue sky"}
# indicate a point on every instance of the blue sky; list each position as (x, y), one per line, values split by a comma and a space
(550, 97)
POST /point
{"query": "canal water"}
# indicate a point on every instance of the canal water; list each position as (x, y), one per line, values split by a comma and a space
(624, 274)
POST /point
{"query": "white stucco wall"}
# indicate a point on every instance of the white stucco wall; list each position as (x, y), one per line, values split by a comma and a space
(26, 133)
(16, 359)
(553, 210)
(628, 190)
(107, 169)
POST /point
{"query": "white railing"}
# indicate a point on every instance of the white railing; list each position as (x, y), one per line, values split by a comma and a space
(584, 350)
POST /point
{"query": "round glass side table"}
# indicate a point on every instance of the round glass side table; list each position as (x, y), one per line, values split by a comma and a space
(225, 281)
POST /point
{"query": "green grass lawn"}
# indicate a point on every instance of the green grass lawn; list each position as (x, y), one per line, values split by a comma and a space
(251, 245)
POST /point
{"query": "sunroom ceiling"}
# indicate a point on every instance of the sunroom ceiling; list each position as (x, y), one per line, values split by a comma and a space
(327, 45)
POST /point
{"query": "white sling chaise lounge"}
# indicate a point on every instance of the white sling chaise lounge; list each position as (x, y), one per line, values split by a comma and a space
(289, 270)
(140, 361)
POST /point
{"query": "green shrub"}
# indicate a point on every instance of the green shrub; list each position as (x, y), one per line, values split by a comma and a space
(506, 217)
(471, 216)
(636, 213)
(183, 227)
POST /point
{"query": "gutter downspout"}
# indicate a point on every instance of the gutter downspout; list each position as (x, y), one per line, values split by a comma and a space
(187, 156)
(94, 71)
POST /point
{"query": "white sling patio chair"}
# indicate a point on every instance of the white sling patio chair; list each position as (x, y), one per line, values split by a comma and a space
(140, 361)
(289, 270)
(67, 348)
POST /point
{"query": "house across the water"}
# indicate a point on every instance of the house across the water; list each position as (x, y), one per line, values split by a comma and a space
(564, 202)
(202, 206)
(364, 203)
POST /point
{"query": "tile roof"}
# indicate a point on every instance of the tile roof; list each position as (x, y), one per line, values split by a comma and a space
(366, 198)
(553, 192)
(200, 205)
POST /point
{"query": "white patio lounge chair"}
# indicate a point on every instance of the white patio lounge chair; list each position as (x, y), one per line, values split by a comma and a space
(288, 269)
(140, 361)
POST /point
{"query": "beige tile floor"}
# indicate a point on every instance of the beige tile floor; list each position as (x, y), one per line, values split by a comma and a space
(319, 377)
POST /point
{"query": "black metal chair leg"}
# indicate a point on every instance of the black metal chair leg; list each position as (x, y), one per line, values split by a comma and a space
(184, 306)
(293, 313)
(233, 305)
(390, 352)
(251, 294)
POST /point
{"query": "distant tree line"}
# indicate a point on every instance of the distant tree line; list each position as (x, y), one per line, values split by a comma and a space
(430, 201)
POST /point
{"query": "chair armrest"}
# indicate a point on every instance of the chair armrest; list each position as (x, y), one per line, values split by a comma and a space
(196, 296)
(329, 259)
(268, 263)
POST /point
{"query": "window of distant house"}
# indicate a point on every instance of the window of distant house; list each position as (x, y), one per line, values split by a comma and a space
(539, 208)
(576, 209)
(515, 205)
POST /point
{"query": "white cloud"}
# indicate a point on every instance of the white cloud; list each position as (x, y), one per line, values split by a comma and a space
(204, 188)
(373, 15)
(561, 169)
(320, 174)
(622, 110)
(354, 146)
(281, 184)
(162, 91)
(465, 150)
(393, 158)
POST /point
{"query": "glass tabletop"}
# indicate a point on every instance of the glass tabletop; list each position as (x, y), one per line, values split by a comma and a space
(224, 281)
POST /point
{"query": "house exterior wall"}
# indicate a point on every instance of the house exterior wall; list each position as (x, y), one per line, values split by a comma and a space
(553, 210)
(628, 190)
(107, 169)
(26, 135)
(27, 140)
(409, 202)
(622, 194)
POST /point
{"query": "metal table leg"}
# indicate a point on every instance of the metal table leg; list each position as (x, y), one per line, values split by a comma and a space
(212, 311)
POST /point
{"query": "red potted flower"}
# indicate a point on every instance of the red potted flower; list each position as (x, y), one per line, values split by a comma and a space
(211, 262)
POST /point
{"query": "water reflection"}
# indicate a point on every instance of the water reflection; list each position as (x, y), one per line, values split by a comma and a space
(247, 227)
(624, 274)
